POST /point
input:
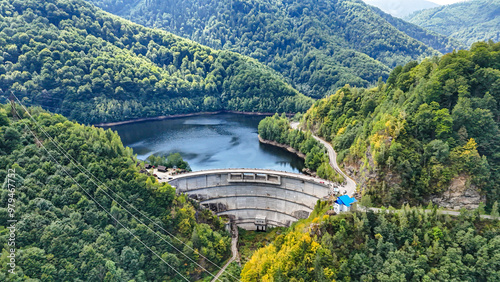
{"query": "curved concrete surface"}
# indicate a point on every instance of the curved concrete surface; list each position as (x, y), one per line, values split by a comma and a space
(278, 193)
(259, 201)
(246, 194)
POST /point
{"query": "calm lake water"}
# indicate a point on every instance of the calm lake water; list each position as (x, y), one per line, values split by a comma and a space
(208, 142)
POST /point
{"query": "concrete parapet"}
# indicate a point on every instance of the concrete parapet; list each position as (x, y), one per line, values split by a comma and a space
(254, 177)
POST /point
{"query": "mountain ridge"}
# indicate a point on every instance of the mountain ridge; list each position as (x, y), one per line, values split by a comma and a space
(76, 59)
(469, 21)
(318, 45)
(431, 130)
(437, 41)
(399, 8)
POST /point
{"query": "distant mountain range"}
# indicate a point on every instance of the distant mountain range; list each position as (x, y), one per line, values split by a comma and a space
(400, 8)
(75, 59)
(468, 22)
(320, 45)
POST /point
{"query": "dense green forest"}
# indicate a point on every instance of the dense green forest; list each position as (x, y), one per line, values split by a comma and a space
(467, 21)
(428, 37)
(86, 212)
(63, 235)
(407, 245)
(430, 124)
(319, 45)
(77, 60)
(277, 128)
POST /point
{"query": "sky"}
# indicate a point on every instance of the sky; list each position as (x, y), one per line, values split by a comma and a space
(403, 8)
(445, 2)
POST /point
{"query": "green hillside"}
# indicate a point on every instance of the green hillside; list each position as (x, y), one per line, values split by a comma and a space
(469, 21)
(435, 40)
(319, 45)
(75, 59)
(431, 124)
(406, 245)
(62, 234)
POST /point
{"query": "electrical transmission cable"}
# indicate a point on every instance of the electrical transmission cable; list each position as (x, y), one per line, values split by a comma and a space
(87, 172)
(90, 196)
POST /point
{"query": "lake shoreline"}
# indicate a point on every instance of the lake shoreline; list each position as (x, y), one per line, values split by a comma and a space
(289, 149)
(138, 120)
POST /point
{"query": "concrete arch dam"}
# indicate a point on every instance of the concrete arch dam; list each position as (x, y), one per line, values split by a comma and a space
(253, 198)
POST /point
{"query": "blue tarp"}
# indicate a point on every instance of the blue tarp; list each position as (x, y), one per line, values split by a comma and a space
(345, 200)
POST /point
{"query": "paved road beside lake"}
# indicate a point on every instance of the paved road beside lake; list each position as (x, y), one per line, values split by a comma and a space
(350, 185)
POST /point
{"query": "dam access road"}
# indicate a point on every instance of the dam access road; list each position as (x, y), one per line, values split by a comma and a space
(349, 185)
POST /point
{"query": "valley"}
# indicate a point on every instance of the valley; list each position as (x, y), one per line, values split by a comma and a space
(249, 140)
(208, 142)
(318, 46)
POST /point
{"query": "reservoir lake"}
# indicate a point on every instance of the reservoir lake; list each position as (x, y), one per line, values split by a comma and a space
(208, 142)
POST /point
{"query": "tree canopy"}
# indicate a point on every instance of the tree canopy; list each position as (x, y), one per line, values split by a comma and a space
(319, 45)
(467, 21)
(405, 245)
(74, 59)
(277, 128)
(62, 234)
(432, 122)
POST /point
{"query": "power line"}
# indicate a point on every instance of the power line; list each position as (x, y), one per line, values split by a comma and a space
(90, 196)
(78, 165)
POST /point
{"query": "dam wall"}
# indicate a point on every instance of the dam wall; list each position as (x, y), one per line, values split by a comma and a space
(250, 196)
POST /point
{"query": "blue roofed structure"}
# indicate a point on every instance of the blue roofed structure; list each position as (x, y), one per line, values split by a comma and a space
(343, 203)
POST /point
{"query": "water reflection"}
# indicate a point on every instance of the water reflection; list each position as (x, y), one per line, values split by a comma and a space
(209, 141)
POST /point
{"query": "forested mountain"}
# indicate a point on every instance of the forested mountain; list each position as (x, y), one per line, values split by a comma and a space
(277, 128)
(400, 8)
(431, 125)
(62, 234)
(75, 59)
(407, 245)
(319, 45)
(430, 38)
(469, 21)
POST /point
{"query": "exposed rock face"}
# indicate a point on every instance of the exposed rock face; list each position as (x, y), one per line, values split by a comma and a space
(330, 212)
(301, 214)
(460, 194)
(361, 174)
